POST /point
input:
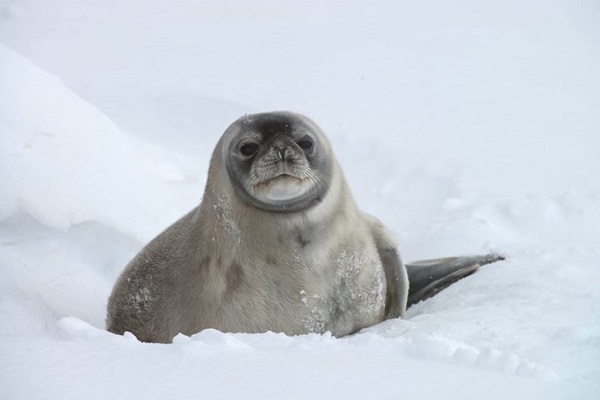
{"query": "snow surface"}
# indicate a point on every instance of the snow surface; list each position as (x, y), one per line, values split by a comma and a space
(468, 127)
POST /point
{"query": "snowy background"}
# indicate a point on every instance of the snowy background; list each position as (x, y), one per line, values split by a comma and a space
(468, 127)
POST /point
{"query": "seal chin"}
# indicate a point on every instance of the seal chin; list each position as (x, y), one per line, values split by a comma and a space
(283, 193)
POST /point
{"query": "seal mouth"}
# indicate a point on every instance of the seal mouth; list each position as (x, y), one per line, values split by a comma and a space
(283, 186)
(282, 177)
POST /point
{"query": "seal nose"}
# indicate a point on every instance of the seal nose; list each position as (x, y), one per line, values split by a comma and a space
(281, 145)
(281, 152)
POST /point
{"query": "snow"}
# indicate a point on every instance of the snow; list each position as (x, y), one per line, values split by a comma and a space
(467, 127)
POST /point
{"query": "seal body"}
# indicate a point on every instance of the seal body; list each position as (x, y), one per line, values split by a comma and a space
(258, 255)
(277, 244)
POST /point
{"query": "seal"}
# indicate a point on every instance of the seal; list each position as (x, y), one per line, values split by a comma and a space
(277, 244)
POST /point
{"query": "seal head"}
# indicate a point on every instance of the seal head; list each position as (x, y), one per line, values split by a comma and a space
(277, 161)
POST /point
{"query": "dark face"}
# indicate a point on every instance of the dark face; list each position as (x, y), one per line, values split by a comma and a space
(277, 161)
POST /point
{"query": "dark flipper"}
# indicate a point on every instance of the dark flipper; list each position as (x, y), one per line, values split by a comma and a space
(428, 277)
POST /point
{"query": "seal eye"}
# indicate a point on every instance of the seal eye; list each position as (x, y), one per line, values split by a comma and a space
(249, 148)
(306, 143)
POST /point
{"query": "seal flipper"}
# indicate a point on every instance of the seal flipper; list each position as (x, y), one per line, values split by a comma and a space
(395, 273)
(428, 277)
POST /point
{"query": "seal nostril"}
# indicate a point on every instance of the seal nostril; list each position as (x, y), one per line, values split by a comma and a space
(281, 152)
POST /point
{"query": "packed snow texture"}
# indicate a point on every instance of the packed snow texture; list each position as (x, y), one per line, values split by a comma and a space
(468, 127)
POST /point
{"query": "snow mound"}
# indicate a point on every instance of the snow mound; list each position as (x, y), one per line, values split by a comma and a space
(50, 136)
